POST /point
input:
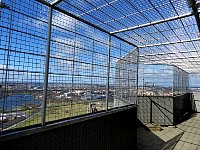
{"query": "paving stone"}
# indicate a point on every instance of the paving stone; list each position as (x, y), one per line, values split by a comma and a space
(179, 145)
(190, 140)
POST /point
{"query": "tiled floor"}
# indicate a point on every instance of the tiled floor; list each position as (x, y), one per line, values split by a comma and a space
(185, 136)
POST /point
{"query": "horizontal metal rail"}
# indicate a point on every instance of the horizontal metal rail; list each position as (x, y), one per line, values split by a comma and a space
(156, 22)
(167, 43)
(17, 134)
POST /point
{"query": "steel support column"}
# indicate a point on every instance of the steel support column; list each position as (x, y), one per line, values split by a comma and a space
(108, 72)
(44, 104)
(137, 75)
(195, 10)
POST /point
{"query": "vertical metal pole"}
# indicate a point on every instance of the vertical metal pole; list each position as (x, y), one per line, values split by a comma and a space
(73, 74)
(44, 104)
(173, 76)
(108, 72)
(73, 65)
(143, 79)
(151, 107)
(120, 81)
(137, 72)
(91, 89)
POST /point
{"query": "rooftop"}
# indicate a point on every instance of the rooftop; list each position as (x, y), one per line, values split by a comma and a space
(184, 136)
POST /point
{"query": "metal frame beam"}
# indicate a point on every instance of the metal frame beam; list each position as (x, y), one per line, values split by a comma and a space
(167, 43)
(108, 72)
(44, 104)
(156, 22)
(137, 74)
(194, 6)
(44, 2)
(56, 2)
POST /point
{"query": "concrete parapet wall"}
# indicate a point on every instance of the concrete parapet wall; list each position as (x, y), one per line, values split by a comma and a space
(163, 110)
(196, 101)
(114, 131)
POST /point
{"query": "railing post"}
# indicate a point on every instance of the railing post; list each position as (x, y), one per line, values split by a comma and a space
(173, 84)
(44, 104)
(137, 72)
(151, 107)
(108, 72)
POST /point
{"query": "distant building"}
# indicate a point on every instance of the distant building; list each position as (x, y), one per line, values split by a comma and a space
(91, 96)
(69, 94)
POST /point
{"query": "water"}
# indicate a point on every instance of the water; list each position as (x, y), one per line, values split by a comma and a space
(15, 101)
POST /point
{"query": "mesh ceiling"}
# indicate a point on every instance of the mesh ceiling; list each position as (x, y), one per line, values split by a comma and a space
(175, 41)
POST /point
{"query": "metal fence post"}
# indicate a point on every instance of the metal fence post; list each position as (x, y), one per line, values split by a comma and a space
(108, 72)
(44, 104)
(137, 76)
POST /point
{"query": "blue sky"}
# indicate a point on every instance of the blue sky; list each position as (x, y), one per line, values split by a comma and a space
(155, 74)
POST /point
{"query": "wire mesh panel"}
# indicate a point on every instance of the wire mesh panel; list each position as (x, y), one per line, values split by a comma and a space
(55, 67)
(22, 47)
(88, 68)
(180, 81)
(123, 76)
(194, 82)
(155, 80)
(78, 68)
(162, 80)
(166, 31)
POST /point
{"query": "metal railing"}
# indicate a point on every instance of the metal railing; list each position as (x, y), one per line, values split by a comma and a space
(54, 67)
